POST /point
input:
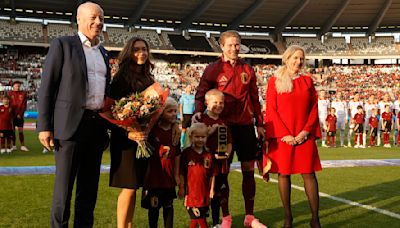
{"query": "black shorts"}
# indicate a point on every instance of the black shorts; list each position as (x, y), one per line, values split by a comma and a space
(157, 198)
(331, 133)
(244, 142)
(18, 122)
(388, 127)
(359, 128)
(6, 133)
(374, 131)
(201, 212)
(187, 120)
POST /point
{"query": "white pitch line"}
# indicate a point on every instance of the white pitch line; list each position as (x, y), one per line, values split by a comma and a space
(342, 200)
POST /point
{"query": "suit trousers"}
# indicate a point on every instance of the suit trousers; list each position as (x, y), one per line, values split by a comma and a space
(79, 158)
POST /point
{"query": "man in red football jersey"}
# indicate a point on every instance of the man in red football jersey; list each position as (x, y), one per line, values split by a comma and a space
(18, 104)
(237, 80)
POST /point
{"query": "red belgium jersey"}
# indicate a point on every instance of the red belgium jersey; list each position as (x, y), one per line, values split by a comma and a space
(18, 102)
(198, 169)
(160, 173)
(238, 83)
(6, 117)
(359, 118)
(214, 140)
(387, 116)
(373, 122)
(331, 119)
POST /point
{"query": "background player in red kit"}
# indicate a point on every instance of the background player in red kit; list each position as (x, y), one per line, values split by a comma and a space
(398, 128)
(197, 175)
(237, 81)
(6, 127)
(219, 142)
(387, 123)
(292, 128)
(373, 125)
(18, 103)
(163, 168)
(359, 127)
(331, 127)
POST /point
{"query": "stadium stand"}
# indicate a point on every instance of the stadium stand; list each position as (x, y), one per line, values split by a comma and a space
(167, 43)
(195, 43)
(311, 45)
(21, 31)
(57, 30)
(260, 46)
(379, 45)
(119, 36)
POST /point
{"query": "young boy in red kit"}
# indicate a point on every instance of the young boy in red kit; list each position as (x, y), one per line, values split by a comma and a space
(18, 103)
(197, 176)
(387, 123)
(398, 128)
(331, 127)
(373, 125)
(6, 127)
(219, 142)
(163, 169)
(359, 127)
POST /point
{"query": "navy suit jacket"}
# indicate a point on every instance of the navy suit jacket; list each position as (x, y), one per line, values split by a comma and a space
(62, 93)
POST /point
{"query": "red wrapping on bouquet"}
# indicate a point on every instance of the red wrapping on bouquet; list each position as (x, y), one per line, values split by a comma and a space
(137, 113)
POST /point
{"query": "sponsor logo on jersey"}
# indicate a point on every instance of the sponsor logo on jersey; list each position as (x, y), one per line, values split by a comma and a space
(222, 80)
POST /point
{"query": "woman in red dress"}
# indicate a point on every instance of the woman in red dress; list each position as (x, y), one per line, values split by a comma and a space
(292, 126)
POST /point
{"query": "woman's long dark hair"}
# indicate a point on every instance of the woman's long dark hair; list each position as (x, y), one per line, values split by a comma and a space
(128, 72)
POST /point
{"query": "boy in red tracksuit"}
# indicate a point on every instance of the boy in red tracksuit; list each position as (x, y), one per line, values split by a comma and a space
(387, 123)
(163, 168)
(219, 142)
(331, 127)
(359, 127)
(6, 127)
(197, 176)
(19, 104)
(373, 125)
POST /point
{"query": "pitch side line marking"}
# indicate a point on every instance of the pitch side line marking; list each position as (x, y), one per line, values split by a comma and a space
(342, 200)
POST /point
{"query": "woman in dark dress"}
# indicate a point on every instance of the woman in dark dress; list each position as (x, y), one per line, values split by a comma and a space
(127, 172)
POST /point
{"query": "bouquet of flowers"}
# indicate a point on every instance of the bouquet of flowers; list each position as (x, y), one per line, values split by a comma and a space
(138, 113)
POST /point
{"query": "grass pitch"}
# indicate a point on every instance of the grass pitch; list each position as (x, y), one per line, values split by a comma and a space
(25, 201)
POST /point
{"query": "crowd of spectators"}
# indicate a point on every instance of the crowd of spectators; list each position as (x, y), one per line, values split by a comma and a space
(24, 68)
(365, 79)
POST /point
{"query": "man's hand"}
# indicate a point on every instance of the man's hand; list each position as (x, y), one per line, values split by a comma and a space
(46, 138)
(261, 132)
(196, 117)
(212, 129)
(181, 192)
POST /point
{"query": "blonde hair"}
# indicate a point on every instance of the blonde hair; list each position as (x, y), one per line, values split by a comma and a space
(171, 103)
(283, 81)
(213, 92)
(229, 33)
(196, 127)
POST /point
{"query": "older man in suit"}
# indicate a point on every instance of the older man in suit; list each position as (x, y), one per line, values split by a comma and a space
(74, 83)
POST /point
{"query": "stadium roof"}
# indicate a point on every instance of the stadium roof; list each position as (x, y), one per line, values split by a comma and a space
(273, 16)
